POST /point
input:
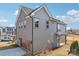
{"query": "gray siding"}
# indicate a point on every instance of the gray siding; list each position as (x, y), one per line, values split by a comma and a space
(53, 37)
(63, 31)
(43, 38)
(42, 35)
(24, 33)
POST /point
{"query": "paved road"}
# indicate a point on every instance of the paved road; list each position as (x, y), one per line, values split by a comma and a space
(13, 52)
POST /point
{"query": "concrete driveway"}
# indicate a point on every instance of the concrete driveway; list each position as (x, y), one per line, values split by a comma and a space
(13, 52)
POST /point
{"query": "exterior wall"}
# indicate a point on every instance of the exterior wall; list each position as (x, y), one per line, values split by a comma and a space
(24, 33)
(53, 31)
(42, 36)
(19, 19)
(63, 32)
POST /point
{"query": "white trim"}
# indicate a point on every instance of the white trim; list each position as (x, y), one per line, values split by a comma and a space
(43, 6)
(27, 17)
(36, 19)
(19, 10)
(36, 11)
(46, 9)
(24, 10)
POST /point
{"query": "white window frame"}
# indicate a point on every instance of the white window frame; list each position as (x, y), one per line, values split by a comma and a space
(35, 20)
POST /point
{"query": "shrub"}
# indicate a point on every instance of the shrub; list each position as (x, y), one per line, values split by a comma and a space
(74, 46)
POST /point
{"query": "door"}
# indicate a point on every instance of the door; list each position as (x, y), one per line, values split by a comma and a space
(58, 41)
(26, 44)
(22, 43)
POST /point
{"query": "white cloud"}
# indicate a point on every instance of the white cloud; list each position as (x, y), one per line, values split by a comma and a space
(73, 13)
(16, 12)
(68, 28)
(66, 19)
(70, 21)
(11, 25)
(71, 18)
(3, 20)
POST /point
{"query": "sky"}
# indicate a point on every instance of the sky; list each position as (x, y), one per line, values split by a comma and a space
(67, 12)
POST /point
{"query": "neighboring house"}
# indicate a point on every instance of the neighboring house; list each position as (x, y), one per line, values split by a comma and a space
(6, 33)
(37, 30)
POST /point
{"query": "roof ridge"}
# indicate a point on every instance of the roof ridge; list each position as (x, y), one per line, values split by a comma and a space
(35, 9)
(25, 7)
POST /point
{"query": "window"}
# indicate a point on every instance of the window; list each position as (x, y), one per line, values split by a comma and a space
(22, 24)
(25, 24)
(47, 24)
(59, 28)
(36, 22)
(8, 38)
(4, 30)
(19, 25)
(5, 37)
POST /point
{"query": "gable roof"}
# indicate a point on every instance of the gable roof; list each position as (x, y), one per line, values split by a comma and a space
(30, 12)
(26, 10)
(40, 7)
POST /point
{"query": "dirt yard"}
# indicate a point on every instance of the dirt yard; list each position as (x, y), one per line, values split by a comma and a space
(62, 51)
(6, 45)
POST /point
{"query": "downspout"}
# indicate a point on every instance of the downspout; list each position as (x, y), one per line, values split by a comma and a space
(56, 33)
(16, 34)
(65, 35)
(32, 34)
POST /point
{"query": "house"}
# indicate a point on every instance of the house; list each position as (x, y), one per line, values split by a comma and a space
(37, 30)
(6, 33)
